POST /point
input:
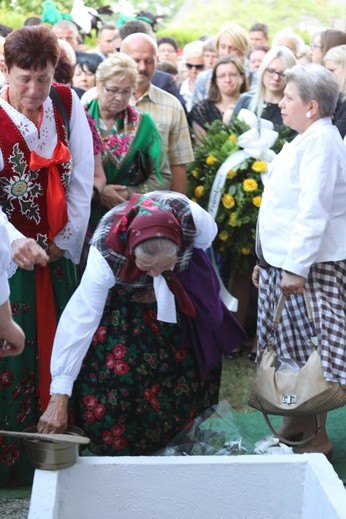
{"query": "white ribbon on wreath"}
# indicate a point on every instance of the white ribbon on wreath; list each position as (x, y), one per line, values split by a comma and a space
(256, 143)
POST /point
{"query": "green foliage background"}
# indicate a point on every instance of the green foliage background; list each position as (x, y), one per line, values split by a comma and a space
(189, 19)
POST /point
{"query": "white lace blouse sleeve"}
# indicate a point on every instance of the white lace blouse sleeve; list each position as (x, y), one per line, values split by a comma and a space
(79, 321)
(79, 193)
(205, 226)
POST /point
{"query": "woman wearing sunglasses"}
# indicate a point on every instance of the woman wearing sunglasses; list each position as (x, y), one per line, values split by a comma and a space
(194, 62)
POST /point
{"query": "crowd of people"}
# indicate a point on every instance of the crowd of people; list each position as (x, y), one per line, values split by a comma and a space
(94, 150)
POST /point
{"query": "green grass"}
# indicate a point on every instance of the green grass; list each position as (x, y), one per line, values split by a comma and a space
(236, 381)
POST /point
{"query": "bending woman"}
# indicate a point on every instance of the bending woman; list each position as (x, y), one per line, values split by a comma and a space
(148, 322)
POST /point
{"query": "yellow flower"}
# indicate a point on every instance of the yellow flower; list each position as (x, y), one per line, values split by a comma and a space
(195, 173)
(257, 201)
(223, 236)
(259, 166)
(245, 251)
(210, 160)
(228, 201)
(250, 184)
(199, 190)
(231, 174)
(232, 138)
(232, 220)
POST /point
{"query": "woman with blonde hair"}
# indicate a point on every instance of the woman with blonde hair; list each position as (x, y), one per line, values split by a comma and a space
(264, 102)
(335, 61)
(231, 40)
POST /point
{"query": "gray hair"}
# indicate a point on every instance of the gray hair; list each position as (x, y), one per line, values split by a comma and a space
(288, 59)
(287, 34)
(66, 25)
(119, 65)
(209, 44)
(194, 49)
(315, 83)
(157, 247)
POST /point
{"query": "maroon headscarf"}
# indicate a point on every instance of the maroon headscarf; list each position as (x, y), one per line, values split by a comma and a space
(142, 219)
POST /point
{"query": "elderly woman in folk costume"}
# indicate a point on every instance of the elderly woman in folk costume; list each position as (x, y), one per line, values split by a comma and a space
(144, 333)
(46, 178)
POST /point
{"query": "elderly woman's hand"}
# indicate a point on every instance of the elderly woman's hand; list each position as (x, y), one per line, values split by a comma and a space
(54, 419)
(256, 275)
(26, 253)
(113, 194)
(291, 283)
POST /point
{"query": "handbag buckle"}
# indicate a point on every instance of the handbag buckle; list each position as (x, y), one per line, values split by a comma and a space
(289, 399)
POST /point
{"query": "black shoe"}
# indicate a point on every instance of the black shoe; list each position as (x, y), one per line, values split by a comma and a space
(233, 355)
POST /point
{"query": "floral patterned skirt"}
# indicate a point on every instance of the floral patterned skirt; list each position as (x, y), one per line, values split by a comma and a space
(19, 401)
(137, 387)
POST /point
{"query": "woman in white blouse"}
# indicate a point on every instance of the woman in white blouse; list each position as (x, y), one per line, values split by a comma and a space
(302, 239)
(46, 179)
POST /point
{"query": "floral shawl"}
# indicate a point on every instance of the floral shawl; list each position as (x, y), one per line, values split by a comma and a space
(133, 130)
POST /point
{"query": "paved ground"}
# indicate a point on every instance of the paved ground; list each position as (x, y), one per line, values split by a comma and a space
(14, 508)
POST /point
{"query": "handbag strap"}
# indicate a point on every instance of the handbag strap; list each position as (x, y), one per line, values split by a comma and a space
(316, 424)
(277, 317)
(281, 304)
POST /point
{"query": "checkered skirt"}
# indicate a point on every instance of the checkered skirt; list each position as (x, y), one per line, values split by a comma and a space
(326, 287)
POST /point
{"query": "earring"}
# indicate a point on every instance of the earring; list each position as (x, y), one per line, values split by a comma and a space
(308, 115)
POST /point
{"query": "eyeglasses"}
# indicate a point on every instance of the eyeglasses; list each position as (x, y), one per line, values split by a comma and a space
(315, 46)
(189, 66)
(271, 73)
(230, 75)
(115, 92)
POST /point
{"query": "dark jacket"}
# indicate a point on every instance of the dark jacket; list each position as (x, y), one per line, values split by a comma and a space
(166, 82)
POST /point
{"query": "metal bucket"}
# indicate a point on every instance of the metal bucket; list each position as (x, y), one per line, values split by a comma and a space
(46, 455)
